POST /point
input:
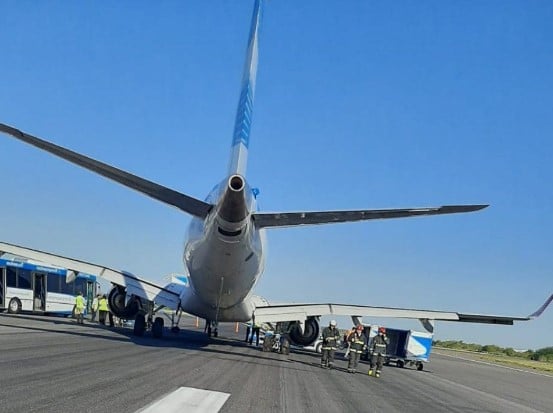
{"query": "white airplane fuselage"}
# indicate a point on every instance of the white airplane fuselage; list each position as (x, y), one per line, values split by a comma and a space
(224, 261)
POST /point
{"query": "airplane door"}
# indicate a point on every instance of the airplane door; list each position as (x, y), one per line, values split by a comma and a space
(2, 288)
(39, 292)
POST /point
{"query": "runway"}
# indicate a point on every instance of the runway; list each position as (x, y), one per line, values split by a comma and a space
(51, 364)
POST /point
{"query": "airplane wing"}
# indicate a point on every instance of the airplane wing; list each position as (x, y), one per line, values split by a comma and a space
(169, 196)
(134, 285)
(288, 219)
(300, 312)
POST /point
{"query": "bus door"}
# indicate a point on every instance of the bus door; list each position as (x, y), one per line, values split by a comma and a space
(90, 294)
(2, 288)
(39, 292)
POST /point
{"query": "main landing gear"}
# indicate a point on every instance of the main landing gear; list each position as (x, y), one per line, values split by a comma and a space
(145, 320)
(211, 328)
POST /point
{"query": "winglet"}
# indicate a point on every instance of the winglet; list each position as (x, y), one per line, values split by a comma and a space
(540, 310)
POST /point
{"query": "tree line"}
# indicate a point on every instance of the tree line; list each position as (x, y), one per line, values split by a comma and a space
(542, 354)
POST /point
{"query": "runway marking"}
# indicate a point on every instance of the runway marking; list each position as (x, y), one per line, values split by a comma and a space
(496, 365)
(188, 399)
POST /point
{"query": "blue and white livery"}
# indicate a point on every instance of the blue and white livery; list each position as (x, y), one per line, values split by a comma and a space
(224, 252)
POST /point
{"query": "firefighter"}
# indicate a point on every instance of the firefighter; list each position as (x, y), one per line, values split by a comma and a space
(347, 336)
(331, 336)
(378, 352)
(357, 344)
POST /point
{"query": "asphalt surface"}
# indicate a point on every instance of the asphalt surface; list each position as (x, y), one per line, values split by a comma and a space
(54, 365)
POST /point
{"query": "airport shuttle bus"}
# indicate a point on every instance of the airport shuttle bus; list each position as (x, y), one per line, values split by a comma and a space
(37, 288)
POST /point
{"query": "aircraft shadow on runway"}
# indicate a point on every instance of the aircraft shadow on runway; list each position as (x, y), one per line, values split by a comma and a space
(186, 339)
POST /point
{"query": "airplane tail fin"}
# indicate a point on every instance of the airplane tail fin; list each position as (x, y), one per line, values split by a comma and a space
(242, 123)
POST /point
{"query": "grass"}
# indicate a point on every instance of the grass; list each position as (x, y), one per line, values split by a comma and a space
(518, 362)
(505, 360)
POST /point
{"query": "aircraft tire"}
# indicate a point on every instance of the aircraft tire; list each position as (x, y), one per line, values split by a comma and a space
(157, 328)
(139, 325)
(14, 307)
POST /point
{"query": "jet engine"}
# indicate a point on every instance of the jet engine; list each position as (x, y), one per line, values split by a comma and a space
(119, 305)
(309, 334)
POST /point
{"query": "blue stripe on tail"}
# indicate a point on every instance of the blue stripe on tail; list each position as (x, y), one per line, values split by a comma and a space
(244, 112)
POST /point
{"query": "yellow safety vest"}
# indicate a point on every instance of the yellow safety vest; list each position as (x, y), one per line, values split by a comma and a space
(103, 304)
(79, 302)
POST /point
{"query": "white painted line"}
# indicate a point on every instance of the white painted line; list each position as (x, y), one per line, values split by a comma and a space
(188, 399)
(495, 365)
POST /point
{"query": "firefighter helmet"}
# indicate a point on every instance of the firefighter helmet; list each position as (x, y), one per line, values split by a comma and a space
(382, 330)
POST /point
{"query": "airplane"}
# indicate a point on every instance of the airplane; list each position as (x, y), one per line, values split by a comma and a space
(224, 252)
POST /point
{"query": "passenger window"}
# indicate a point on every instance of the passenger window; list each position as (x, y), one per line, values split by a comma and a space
(23, 279)
(54, 283)
(11, 277)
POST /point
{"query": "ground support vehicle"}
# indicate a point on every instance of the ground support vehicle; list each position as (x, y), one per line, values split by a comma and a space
(405, 347)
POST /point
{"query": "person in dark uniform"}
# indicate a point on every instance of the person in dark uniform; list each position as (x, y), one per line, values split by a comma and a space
(331, 335)
(357, 343)
(378, 352)
(255, 332)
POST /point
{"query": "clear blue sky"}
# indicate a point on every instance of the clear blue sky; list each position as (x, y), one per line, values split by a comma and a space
(360, 104)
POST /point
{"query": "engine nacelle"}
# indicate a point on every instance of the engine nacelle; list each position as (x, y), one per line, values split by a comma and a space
(309, 334)
(118, 303)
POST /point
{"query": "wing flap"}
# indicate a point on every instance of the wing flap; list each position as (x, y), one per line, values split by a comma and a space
(135, 285)
(169, 196)
(287, 219)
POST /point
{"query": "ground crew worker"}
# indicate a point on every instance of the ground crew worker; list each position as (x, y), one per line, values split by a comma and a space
(255, 332)
(103, 309)
(94, 308)
(357, 344)
(331, 335)
(79, 308)
(378, 352)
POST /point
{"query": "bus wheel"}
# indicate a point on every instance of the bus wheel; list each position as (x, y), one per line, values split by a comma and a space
(157, 328)
(139, 325)
(400, 363)
(14, 307)
(419, 366)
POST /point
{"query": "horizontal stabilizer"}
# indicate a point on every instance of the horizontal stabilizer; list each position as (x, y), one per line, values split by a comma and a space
(169, 196)
(288, 219)
(134, 285)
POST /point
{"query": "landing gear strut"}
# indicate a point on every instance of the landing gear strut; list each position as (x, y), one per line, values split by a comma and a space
(144, 321)
(212, 328)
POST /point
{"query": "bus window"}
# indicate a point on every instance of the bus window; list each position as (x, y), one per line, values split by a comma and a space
(80, 286)
(67, 288)
(11, 277)
(23, 278)
(53, 281)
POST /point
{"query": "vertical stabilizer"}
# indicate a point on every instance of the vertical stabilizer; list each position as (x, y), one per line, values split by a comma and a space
(242, 124)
